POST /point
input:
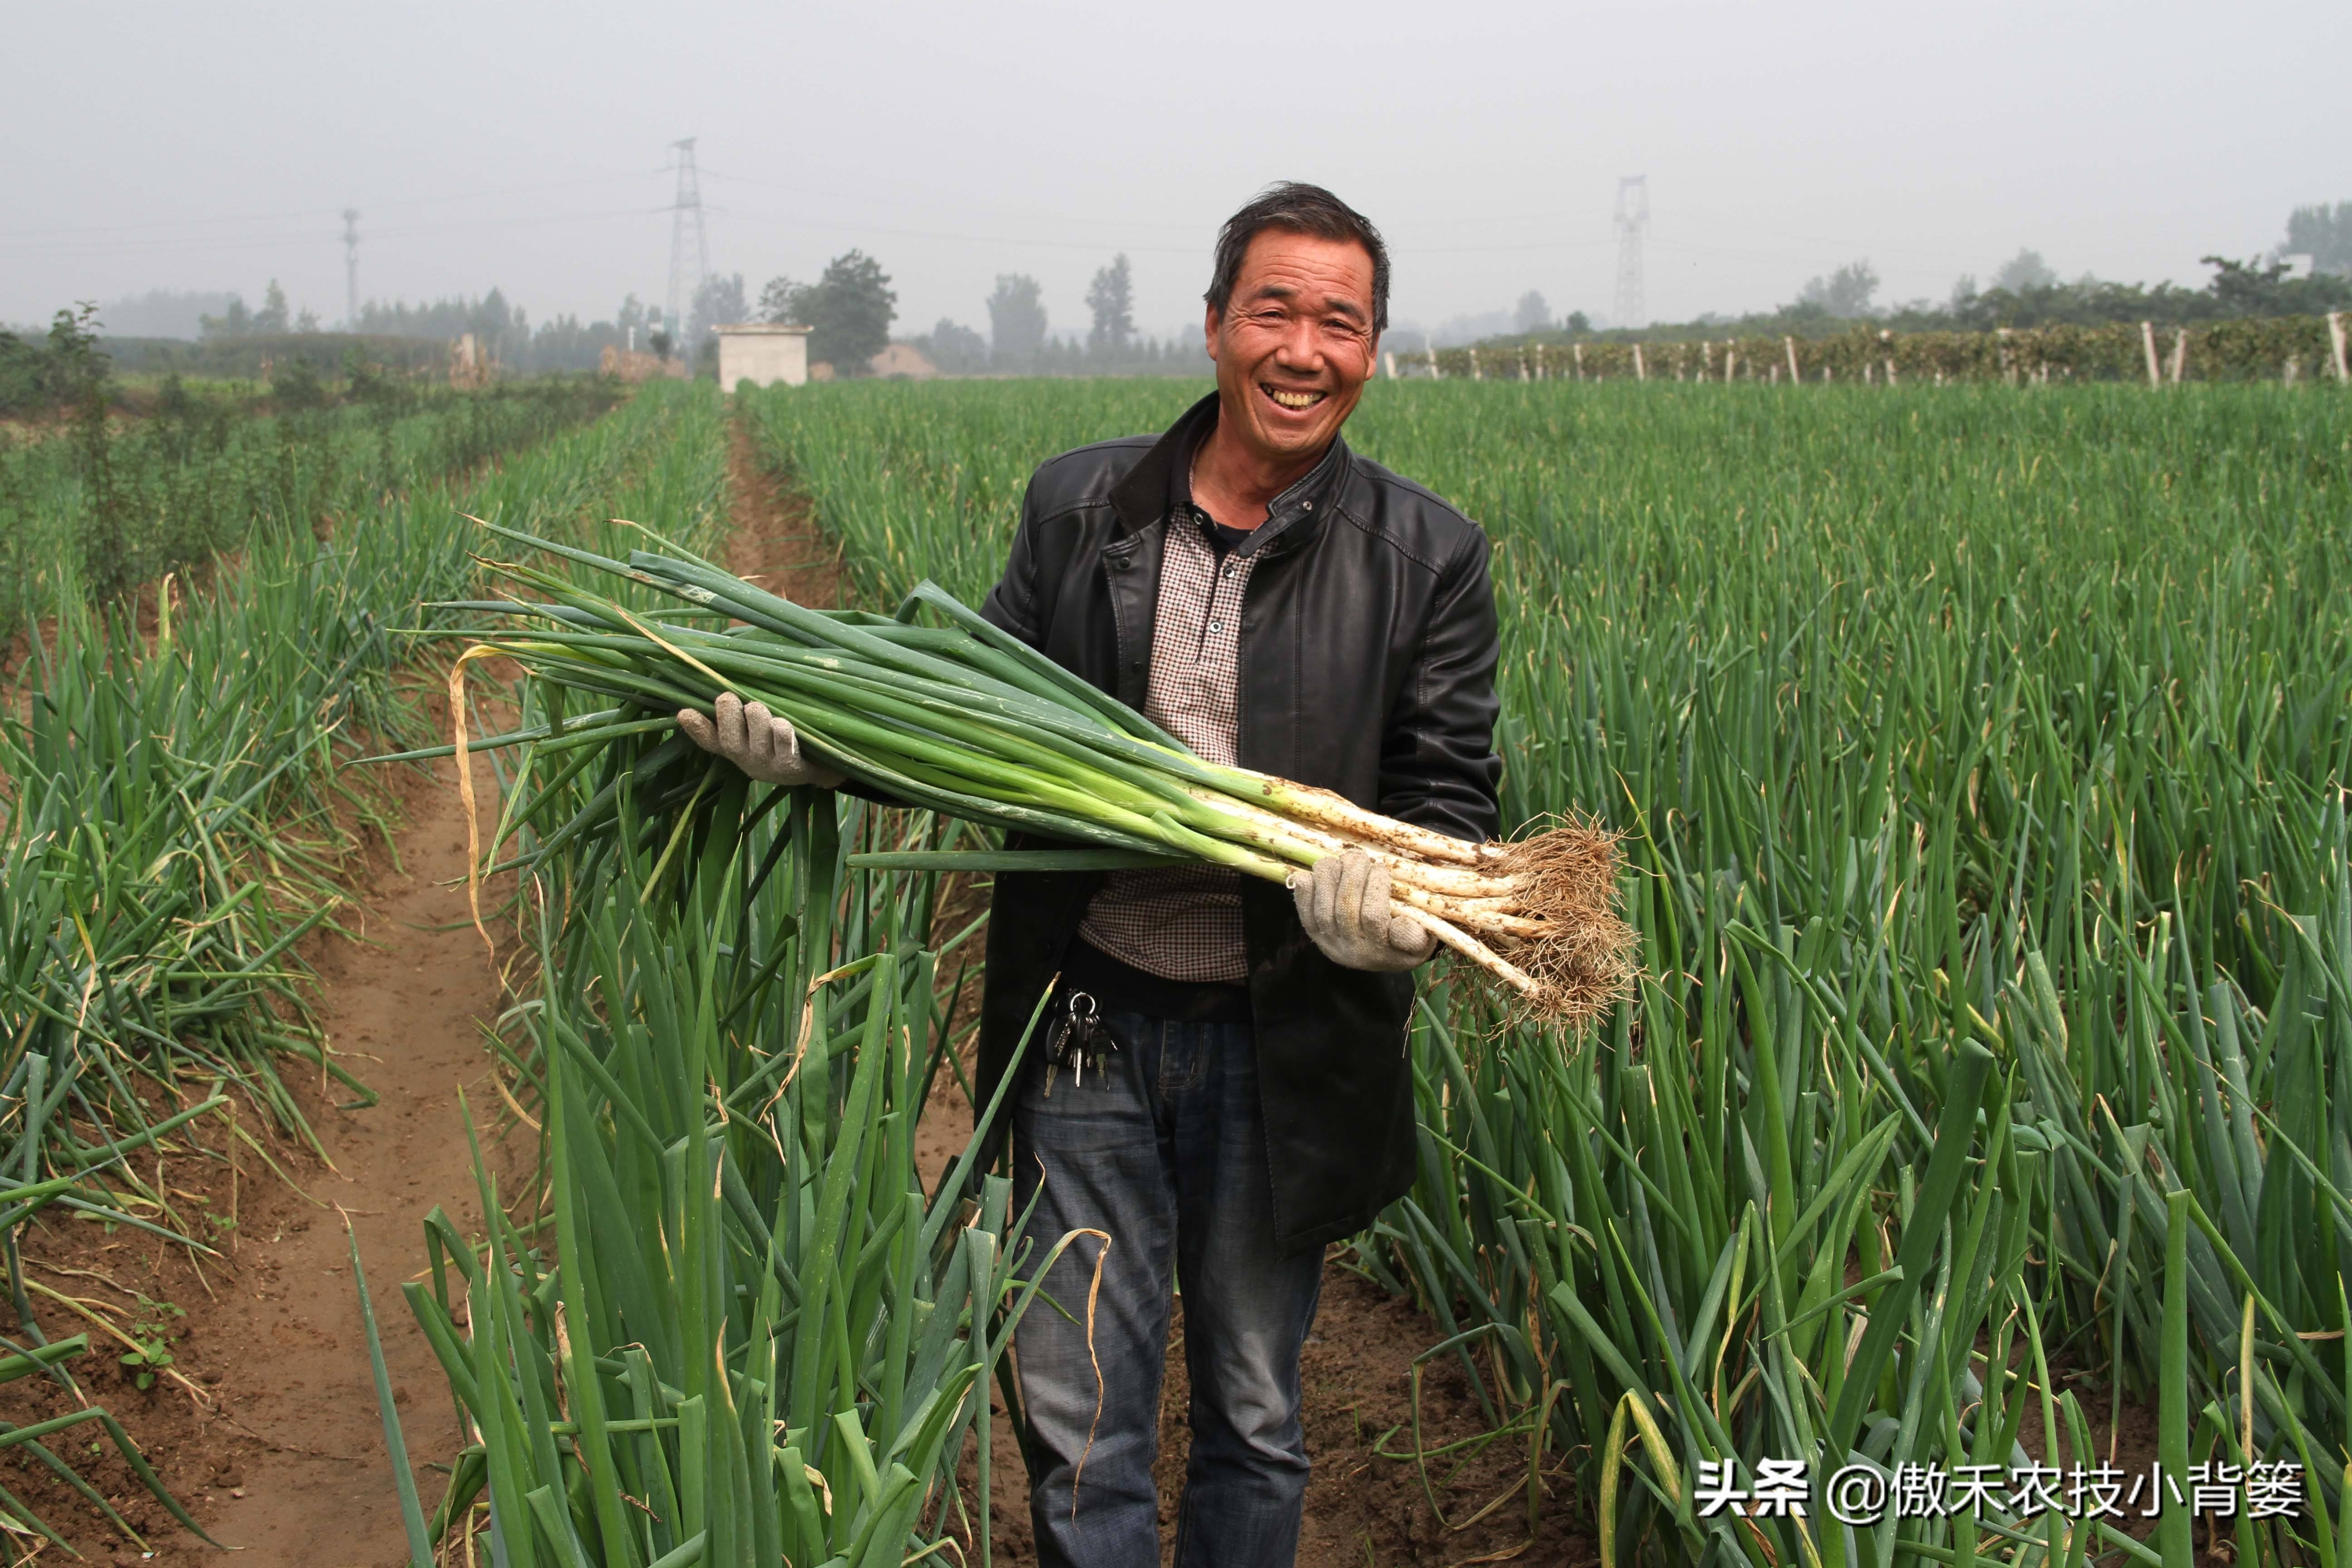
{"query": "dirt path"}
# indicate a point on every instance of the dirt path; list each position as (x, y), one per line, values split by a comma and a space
(406, 1004)
(409, 1005)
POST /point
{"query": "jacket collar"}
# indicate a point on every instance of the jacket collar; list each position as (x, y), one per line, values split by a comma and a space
(1141, 499)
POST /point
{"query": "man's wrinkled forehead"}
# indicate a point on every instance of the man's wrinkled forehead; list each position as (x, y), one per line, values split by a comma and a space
(1306, 272)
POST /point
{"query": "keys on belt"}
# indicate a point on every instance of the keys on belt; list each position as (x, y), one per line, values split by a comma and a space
(1080, 1041)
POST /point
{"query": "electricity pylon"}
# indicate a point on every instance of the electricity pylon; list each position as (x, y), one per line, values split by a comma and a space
(686, 209)
(1633, 223)
(350, 269)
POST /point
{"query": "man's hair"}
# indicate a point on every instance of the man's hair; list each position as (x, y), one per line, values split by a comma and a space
(1302, 209)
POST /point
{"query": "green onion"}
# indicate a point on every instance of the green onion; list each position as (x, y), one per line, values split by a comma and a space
(969, 722)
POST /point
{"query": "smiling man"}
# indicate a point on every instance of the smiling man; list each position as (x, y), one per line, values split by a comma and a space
(1221, 1087)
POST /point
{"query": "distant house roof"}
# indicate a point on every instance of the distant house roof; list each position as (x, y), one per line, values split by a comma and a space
(764, 327)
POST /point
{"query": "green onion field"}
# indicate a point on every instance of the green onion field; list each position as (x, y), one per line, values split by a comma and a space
(1982, 755)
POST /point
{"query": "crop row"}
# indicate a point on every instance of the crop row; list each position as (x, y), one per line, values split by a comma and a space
(173, 818)
(102, 506)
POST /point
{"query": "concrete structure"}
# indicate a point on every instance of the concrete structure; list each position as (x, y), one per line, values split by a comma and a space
(763, 353)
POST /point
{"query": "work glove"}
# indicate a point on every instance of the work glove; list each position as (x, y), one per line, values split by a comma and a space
(1343, 903)
(761, 744)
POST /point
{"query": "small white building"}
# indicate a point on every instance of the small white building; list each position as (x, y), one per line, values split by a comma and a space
(763, 353)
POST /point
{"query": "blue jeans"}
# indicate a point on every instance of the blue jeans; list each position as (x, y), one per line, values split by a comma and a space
(1166, 1152)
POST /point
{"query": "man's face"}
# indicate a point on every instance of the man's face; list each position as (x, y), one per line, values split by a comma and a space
(1295, 345)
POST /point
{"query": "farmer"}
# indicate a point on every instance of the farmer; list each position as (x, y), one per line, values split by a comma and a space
(1220, 1085)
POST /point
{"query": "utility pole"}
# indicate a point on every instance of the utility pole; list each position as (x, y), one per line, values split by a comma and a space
(688, 201)
(1633, 223)
(350, 269)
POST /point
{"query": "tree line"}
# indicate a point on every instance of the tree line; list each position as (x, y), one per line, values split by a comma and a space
(2025, 292)
(850, 308)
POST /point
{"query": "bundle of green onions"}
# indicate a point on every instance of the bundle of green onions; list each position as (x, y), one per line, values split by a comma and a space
(967, 720)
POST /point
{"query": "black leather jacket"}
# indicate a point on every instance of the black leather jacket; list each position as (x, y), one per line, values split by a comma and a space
(1367, 650)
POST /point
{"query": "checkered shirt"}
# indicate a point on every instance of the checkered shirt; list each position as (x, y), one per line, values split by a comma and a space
(1186, 924)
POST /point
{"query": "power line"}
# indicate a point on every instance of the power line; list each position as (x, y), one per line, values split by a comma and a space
(209, 219)
(325, 236)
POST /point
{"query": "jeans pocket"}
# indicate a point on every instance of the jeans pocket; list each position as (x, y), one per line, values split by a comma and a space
(1061, 1112)
(1182, 1065)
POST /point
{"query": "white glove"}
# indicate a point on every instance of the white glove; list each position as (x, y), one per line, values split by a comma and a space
(1343, 903)
(760, 742)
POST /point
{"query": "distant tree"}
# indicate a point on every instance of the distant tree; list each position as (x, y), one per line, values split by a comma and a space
(564, 342)
(658, 341)
(1111, 297)
(781, 300)
(1531, 315)
(1844, 293)
(272, 316)
(848, 310)
(2323, 234)
(162, 313)
(718, 303)
(1016, 321)
(2025, 270)
(1578, 323)
(2246, 288)
(956, 349)
(628, 319)
(2250, 288)
(307, 322)
(492, 320)
(233, 322)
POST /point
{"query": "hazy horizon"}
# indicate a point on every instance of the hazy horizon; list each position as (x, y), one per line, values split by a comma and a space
(495, 144)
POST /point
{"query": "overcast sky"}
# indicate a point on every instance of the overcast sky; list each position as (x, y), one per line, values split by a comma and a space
(491, 143)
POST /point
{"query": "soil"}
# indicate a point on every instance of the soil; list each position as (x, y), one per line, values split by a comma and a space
(267, 1425)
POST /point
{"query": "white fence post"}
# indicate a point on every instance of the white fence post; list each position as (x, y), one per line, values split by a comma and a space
(1389, 360)
(1434, 373)
(1790, 344)
(2336, 338)
(1639, 373)
(1578, 350)
(2180, 352)
(1476, 371)
(2147, 342)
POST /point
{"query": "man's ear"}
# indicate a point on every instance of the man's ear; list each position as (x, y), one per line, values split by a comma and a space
(1213, 318)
